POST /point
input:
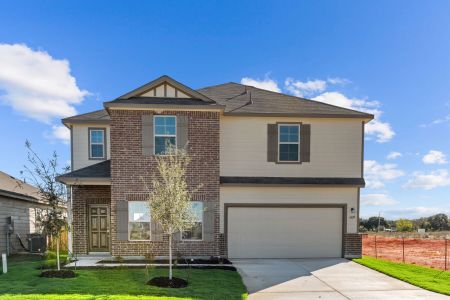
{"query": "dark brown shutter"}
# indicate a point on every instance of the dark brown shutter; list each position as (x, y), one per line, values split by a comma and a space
(147, 135)
(272, 142)
(208, 220)
(182, 131)
(305, 142)
(122, 220)
(157, 232)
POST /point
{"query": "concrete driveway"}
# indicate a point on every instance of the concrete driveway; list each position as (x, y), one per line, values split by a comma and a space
(322, 279)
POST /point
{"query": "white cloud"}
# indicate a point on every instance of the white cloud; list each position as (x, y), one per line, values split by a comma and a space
(265, 84)
(60, 132)
(36, 84)
(394, 155)
(428, 181)
(377, 200)
(338, 80)
(305, 88)
(445, 119)
(377, 174)
(382, 131)
(434, 157)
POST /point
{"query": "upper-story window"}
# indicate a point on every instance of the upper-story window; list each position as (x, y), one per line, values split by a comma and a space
(165, 133)
(97, 149)
(289, 142)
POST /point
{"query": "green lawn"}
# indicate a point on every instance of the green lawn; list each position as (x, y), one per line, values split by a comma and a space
(22, 282)
(427, 278)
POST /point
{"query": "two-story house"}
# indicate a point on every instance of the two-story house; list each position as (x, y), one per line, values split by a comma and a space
(280, 175)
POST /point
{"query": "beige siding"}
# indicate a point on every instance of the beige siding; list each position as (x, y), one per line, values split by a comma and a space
(23, 213)
(170, 92)
(299, 195)
(335, 148)
(80, 145)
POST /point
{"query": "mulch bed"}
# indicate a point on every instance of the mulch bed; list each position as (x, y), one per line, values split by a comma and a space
(222, 261)
(58, 274)
(165, 282)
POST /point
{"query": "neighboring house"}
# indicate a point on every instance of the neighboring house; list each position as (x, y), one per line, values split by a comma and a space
(20, 202)
(280, 175)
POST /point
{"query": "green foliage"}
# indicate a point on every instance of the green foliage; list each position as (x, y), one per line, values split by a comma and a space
(427, 278)
(170, 199)
(149, 256)
(422, 223)
(43, 175)
(439, 222)
(404, 225)
(119, 259)
(22, 282)
(372, 223)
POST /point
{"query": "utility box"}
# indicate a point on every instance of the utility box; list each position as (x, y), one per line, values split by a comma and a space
(10, 225)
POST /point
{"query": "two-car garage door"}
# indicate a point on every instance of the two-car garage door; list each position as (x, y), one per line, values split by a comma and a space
(284, 232)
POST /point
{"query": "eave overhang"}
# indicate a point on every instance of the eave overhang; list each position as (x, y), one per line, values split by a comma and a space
(292, 181)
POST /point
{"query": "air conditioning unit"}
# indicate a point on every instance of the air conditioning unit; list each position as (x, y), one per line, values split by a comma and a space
(37, 243)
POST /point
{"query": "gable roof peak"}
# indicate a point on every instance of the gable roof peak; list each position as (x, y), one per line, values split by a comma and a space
(165, 79)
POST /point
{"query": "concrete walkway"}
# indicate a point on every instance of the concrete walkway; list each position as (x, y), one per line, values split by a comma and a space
(322, 279)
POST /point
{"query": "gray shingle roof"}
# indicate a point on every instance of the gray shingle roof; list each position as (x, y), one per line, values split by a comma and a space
(100, 116)
(162, 100)
(238, 99)
(99, 170)
(16, 188)
(242, 99)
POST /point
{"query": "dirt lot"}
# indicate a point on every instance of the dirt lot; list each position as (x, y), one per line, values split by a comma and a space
(421, 251)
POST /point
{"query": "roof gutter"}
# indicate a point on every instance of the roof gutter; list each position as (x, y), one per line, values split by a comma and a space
(84, 180)
(367, 117)
(134, 106)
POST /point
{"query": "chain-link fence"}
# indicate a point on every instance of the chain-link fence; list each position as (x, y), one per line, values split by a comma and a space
(432, 253)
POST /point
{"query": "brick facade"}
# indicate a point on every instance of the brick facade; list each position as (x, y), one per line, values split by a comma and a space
(352, 245)
(82, 197)
(129, 168)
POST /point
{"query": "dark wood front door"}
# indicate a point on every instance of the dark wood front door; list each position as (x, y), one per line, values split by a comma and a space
(99, 228)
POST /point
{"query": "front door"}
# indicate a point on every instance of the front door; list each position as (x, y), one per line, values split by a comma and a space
(99, 228)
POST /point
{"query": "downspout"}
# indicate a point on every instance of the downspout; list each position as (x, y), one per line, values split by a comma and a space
(69, 200)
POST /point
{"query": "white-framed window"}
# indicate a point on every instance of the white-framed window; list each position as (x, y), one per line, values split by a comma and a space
(165, 133)
(138, 221)
(196, 232)
(288, 142)
(97, 149)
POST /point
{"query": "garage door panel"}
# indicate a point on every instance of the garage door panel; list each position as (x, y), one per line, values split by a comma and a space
(277, 232)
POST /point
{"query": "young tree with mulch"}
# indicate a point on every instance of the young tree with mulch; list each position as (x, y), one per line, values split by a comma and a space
(43, 175)
(170, 199)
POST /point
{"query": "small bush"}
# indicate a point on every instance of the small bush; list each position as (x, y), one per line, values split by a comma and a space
(119, 259)
(149, 256)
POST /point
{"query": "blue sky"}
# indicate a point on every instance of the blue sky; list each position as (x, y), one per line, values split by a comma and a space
(388, 57)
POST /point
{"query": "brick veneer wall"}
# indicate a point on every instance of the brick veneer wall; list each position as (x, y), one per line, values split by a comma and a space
(82, 196)
(352, 245)
(129, 167)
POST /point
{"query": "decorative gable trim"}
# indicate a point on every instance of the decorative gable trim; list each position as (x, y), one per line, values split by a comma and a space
(159, 88)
